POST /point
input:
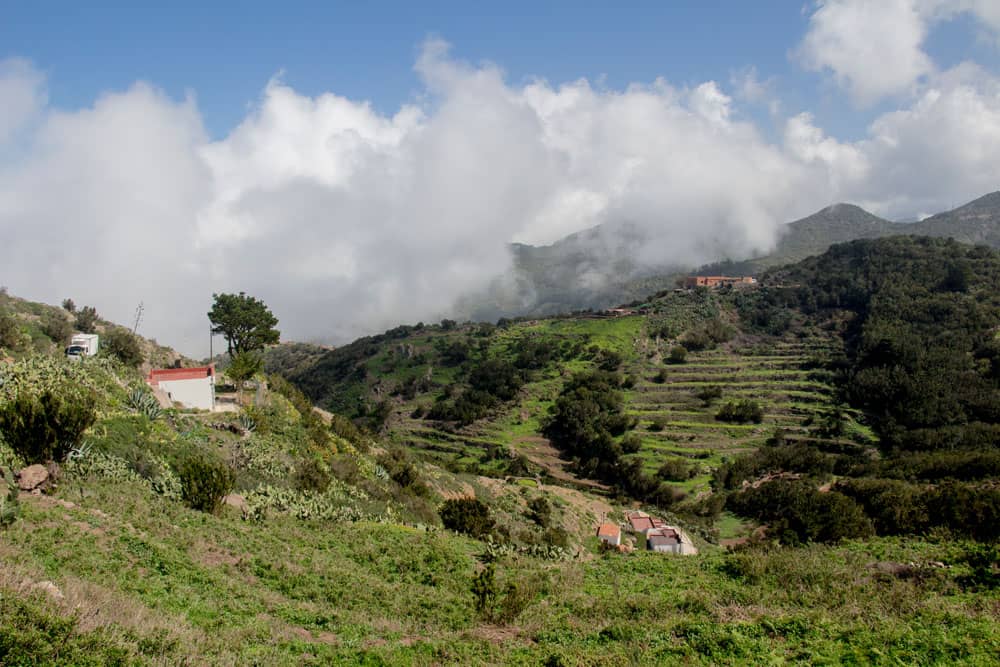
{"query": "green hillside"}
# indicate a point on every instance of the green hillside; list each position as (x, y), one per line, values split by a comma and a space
(828, 439)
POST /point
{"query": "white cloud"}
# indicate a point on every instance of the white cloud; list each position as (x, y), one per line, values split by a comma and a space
(22, 89)
(872, 47)
(348, 221)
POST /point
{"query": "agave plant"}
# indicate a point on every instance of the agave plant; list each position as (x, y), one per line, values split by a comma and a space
(144, 403)
(248, 423)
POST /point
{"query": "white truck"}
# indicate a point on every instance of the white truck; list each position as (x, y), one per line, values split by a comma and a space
(82, 345)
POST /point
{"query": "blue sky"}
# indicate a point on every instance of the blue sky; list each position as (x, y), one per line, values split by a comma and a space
(358, 165)
(225, 52)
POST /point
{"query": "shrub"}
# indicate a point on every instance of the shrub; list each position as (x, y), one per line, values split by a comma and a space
(311, 475)
(68, 305)
(204, 482)
(243, 366)
(467, 515)
(608, 360)
(741, 412)
(540, 511)
(709, 394)
(678, 355)
(86, 319)
(631, 443)
(658, 424)
(10, 333)
(57, 327)
(46, 427)
(123, 346)
(676, 470)
(485, 590)
(661, 376)
(10, 508)
(556, 537)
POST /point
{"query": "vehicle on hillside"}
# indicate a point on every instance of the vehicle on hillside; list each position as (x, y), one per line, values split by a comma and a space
(82, 345)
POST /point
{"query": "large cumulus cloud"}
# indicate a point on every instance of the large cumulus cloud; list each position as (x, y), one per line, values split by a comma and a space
(347, 220)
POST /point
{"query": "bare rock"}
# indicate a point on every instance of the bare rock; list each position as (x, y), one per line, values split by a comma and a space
(33, 477)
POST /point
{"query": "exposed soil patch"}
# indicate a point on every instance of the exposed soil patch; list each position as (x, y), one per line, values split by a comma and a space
(540, 451)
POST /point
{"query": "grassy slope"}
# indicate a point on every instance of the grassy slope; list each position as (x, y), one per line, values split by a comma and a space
(163, 584)
(769, 371)
(144, 579)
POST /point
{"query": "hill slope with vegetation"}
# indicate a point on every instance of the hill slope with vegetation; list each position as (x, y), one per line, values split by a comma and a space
(828, 438)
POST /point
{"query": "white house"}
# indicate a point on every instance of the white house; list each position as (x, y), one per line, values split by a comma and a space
(609, 533)
(191, 387)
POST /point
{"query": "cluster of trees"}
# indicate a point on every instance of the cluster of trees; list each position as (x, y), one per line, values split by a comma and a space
(588, 423)
(707, 335)
(923, 360)
(795, 511)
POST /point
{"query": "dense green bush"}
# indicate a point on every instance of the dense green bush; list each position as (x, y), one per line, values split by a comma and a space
(10, 508)
(470, 516)
(46, 427)
(676, 470)
(741, 412)
(540, 511)
(678, 355)
(631, 443)
(204, 482)
(10, 333)
(57, 327)
(796, 512)
(709, 394)
(123, 346)
(86, 319)
(311, 475)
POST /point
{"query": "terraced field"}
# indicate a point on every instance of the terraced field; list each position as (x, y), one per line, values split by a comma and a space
(672, 421)
(675, 423)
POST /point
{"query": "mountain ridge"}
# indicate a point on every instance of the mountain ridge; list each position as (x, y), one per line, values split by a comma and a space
(595, 269)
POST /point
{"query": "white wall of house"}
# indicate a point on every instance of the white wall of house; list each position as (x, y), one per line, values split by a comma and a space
(613, 540)
(197, 393)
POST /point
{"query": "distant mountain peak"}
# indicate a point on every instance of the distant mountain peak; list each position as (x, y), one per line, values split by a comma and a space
(987, 201)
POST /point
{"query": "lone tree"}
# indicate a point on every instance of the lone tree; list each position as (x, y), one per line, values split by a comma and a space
(246, 322)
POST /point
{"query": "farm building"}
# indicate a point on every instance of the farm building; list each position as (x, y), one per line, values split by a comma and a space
(718, 281)
(641, 523)
(669, 540)
(609, 533)
(191, 387)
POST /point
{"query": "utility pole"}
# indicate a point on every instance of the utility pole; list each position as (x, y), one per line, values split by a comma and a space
(138, 318)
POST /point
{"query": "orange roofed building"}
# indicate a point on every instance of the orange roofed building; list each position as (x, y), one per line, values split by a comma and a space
(609, 533)
(718, 281)
(191, 387)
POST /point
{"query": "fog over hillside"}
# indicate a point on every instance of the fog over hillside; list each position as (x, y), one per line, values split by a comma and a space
(347, 221)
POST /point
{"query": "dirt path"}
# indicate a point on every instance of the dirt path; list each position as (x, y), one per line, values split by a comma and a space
(540, 451)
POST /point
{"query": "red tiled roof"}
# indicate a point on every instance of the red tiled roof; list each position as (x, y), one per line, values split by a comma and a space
(655, 539)
(158, 375)
(640, 523)
(608, 530)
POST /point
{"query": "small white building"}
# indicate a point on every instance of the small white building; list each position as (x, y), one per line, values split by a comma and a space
(191, 387)
(670, 540)
(609, 533)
